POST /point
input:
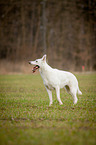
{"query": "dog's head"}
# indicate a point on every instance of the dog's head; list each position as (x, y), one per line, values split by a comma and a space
(38, 63)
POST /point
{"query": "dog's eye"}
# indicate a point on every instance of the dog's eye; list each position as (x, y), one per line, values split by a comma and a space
(36, 61)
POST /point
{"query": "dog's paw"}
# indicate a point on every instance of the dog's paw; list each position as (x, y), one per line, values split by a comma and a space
(50, 104)
(75, 101)
(61, 103)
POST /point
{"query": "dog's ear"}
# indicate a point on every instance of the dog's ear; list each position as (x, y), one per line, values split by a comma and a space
(44, 58)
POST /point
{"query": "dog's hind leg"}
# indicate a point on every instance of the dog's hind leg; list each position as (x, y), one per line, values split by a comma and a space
(50, 96)
(58, 95)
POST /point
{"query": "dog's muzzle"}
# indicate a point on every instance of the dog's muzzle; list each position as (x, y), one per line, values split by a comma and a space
(29, 62)
(35, 68)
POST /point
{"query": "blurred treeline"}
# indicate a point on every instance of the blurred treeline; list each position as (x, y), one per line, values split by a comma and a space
(63, 29)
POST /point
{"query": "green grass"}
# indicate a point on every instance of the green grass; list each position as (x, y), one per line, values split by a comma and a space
(27, 119)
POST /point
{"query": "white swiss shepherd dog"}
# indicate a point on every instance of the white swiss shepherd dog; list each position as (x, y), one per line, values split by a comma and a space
(56, 79)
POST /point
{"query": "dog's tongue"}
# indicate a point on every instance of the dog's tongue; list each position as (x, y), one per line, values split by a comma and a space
(35, 68)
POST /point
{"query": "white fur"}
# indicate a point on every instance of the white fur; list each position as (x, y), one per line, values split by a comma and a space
(57, 79)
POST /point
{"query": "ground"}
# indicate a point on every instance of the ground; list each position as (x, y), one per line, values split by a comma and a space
(26, 118)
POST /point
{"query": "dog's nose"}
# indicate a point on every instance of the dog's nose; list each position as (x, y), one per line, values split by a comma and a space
(29, 62)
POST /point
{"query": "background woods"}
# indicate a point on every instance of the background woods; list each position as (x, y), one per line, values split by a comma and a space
(65, 30)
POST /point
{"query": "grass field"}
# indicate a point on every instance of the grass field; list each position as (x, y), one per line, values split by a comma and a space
(27, 119)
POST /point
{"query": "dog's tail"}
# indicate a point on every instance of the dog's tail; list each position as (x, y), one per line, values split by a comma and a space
(79, 92)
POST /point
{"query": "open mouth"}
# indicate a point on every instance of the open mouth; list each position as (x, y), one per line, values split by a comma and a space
(35, 68)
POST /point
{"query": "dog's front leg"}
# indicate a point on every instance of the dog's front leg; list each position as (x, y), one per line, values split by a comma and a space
(50, 95)
(58, 95)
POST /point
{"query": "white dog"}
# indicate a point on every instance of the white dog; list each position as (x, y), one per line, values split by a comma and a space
(56, 79)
